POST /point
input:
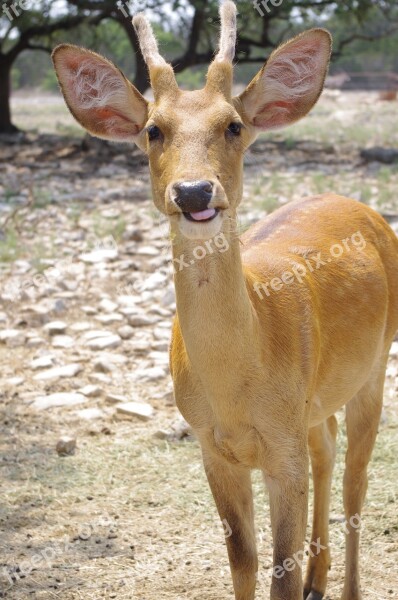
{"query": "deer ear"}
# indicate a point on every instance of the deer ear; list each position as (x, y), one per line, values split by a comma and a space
(290, 83)
(98, 95)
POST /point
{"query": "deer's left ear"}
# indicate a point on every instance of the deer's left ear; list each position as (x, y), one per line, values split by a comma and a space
(290, 83)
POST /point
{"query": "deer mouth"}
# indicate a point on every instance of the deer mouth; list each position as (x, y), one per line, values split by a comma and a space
(202, 216)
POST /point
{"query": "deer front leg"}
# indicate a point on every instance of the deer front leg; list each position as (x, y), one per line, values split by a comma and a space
(232, 491)
(289, 505)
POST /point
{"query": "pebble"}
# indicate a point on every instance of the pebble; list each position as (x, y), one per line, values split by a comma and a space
(126, 332)
(44, 362)
(63, 341)
(141, 410)
(13, 338)
(152, 374)
(90, 413)
(61, 399)
(59, 372)
(394, 350)
(140, 321)
(55, 327)
(91, 391)
(103, 342)
(66, 446)
(116, 399)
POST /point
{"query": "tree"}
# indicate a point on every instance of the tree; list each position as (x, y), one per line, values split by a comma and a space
(260, 31)
(22, 30)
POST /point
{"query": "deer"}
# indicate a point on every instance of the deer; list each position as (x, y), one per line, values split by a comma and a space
(259, 376)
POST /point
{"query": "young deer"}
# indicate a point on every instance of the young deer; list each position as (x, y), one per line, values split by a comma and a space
(259, 368)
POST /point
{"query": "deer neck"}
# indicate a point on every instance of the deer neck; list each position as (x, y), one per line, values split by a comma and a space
(215, 313)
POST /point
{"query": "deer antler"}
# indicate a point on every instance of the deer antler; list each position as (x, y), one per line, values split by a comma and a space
(226, 52)
(160, 72)
(220, 73)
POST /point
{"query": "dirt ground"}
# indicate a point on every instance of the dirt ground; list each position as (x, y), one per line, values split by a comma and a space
(86, 303)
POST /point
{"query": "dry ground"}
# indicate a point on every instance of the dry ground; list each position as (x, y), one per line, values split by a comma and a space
(130, 515)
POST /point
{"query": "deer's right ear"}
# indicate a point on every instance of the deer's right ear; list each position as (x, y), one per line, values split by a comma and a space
(98, 95)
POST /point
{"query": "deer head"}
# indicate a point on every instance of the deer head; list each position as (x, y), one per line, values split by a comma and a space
(195, 140)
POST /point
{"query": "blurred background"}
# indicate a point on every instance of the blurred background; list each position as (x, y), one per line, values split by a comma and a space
(102, 489)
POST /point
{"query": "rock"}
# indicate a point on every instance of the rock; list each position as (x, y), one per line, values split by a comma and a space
(126, 332)
(61, 399)
(394, 350)
(100, 378)
(59, 372)
(90, 413)
(161, 334)
(132, 235)
(152, 374)
(103, 342)
(14, 381)
(66, 446)
(140, 321)
(55, 327)
(81, 325)
(44, 362)
(107, 305)
(109, 319)
(104, 366)
(63, 341)
(91, 391)
(141, 410)
(179, 430)
(13, 338)
(98, 256)
(89, 310)
(35, 342)
(116, 399)
(379, 154)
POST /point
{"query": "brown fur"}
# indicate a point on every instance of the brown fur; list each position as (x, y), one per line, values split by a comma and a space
(260, 378)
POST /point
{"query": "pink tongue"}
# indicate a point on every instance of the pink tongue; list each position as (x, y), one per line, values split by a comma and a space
(203, 214)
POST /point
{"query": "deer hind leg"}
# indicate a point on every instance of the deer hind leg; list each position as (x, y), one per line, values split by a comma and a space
(322, 446)
(362, 419)
(232, 491)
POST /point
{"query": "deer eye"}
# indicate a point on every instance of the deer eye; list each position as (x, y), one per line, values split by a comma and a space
(154, 133)
(235, 128)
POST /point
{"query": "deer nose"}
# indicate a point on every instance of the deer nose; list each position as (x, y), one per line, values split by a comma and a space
(193, 196)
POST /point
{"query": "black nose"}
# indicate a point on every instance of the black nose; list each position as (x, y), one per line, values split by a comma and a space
(193, 196)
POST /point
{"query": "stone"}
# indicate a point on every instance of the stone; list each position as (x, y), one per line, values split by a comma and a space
(394, 350)
(126, 332)
(107, 305)
(66, 446)
(14, 381)
(116, 399)
(43, 362)
(101, 343)
(140, 321)
(59, 372)
(60, 399)
(63, 341)
(91, 391)
(55, 327)
(98, 256)
(140, 410)
(35, 342)
(13, 338)
(90, 414)
(109, 319)
(151, 374)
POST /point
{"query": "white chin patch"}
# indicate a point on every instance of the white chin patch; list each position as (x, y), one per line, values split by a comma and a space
(200, 230)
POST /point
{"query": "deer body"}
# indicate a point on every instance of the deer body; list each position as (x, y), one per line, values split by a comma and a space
(279, 330)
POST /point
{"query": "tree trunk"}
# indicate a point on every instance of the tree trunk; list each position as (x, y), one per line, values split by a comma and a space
(6, 125)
